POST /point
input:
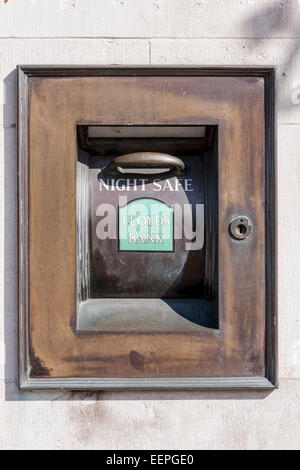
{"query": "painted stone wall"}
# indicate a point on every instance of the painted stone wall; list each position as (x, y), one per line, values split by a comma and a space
(180, 32)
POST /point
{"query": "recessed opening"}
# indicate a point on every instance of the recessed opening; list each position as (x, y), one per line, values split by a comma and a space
(164, 274)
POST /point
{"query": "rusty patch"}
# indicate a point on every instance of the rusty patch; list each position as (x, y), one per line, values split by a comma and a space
(38, 368)
(137, 360)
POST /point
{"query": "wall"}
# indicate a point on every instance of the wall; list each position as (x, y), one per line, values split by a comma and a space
(200, 32)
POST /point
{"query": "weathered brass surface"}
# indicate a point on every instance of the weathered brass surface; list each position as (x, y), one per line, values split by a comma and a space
(52, 104)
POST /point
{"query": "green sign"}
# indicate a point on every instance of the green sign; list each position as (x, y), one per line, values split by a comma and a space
(146, 224)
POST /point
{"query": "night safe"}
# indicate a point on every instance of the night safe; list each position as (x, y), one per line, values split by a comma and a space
(147, 228)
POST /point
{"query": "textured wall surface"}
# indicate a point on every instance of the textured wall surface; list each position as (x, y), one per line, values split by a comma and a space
(194, 32)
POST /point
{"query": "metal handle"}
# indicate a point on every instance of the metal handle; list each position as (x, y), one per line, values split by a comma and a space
(145, 160)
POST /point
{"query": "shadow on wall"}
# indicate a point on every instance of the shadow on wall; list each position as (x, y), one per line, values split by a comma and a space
(10, 230)
(272, 22)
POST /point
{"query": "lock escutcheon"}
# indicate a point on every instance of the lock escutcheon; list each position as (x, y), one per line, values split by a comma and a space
(240, 227)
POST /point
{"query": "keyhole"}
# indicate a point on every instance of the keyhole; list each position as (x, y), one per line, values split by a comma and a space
(241, 229)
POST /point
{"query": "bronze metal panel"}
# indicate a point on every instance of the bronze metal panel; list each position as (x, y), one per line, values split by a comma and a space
(56, 106)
